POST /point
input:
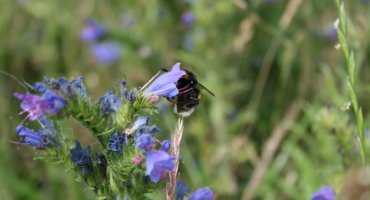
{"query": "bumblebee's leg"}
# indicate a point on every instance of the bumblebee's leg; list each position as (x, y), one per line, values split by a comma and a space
(152, 79)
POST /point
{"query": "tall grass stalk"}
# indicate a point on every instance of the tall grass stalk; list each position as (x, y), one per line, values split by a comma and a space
(341, 26)
(175, 151)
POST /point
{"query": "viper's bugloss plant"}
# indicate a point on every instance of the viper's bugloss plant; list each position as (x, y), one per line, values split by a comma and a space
(131, 162)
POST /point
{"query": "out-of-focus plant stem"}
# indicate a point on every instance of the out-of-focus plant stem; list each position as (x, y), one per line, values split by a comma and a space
(351, 68)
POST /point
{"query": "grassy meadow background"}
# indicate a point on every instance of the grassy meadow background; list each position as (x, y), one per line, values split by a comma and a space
(278, 127)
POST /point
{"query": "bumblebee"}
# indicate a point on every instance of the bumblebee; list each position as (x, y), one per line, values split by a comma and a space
(189, 94)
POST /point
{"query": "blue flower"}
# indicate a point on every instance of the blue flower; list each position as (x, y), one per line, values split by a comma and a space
(165, 84)
(165, 145)
(53, 101)
(158, 164)
(145, 143)
(124, 91)
(324, 193)
(47, 132)
(61, 84)
(78, 87)
(132, 96)
(29, 137)
(49, 103)
(139, 122)
(187, 19)
(92, 31)
(108, 102)
(106, 52)
(81, 158)
(47, 124)
(116, 142)
(202, 194)
(181, 190)
(40, 87)
(147, 130)
(43, 138)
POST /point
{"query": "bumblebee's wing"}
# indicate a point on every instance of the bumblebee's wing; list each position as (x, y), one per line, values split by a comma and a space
(206, 89)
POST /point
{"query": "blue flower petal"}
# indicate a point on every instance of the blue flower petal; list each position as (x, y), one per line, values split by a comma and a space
(324, 193)
(166, 145)
(202, 194)
(165, 84)
(106, 52)
(158, 164)
(78, 87)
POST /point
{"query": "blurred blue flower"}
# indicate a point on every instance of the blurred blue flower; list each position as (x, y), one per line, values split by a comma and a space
(47, 124)
(147, 130)
(324, 193)
(116, 142)
(29, 137)
(92, 31)
(78, 87)
(40, 87)
(158, 164)
(81, 158)
(106, 52)
(181, 190)
(49, 103)
(140, 121)
(188, 19)
(188, 42)
(132, 96)
(365, 1)
(61, 84)
(166, 145)
(145, 142)
(43, 138)
(141, 127)
(47, 132)
(108, 102)
(202, 194)
(165, 84)
(124, 91)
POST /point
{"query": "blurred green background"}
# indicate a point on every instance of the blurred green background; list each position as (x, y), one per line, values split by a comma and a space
(277, 127)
